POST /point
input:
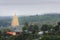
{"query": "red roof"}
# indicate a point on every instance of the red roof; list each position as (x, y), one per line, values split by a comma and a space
(11, 33)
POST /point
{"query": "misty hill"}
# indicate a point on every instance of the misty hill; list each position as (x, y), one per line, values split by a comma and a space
(46, 18)
(41, 18)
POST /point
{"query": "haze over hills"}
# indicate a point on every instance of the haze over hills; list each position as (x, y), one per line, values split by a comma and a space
(46, 18)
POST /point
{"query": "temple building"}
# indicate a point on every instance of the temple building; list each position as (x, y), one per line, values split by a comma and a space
(14, 26)
(15, 23)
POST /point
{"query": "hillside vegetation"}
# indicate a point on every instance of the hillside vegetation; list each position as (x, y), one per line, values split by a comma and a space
(47, 18)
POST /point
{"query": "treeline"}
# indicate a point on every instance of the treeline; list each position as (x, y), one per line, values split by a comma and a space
(47, 18)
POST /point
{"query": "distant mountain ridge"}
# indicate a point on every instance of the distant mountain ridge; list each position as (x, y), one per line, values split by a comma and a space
(5, 21)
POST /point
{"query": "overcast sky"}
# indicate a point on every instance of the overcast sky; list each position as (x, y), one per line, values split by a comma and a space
(28, 7)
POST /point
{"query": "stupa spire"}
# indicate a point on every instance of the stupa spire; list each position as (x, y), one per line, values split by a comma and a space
(15, 21)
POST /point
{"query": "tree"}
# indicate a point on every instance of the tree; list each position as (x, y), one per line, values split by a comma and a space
(25, 27)
(44, 27)
(34, 29)
(57, 28)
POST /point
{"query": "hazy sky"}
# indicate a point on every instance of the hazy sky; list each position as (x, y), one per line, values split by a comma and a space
(28, 7)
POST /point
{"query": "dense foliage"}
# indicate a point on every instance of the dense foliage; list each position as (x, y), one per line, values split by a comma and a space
(30, 32)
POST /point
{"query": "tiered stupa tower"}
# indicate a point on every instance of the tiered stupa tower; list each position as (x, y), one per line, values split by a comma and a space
(15, 22)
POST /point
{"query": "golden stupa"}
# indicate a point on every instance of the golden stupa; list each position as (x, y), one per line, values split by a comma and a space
(15, 21)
